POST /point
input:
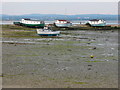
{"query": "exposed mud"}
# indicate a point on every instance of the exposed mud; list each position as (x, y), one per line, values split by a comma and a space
(61, 62)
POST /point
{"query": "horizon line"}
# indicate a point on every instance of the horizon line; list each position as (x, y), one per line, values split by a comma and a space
(58, 14)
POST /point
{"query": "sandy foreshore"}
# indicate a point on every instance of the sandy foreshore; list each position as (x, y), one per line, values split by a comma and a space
(61, 62)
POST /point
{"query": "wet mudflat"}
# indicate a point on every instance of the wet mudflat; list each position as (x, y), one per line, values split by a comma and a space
(61, 62)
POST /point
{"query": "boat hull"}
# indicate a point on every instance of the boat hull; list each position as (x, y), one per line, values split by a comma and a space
(17, 23)
(48, 34)
(29, 25)
(33, 25)
(103, 24)
(63, 25)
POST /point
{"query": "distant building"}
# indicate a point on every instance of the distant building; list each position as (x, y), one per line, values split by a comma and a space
(97, 22)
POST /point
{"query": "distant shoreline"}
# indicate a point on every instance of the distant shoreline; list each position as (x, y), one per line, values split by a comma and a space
(74, 27)
(77, 22)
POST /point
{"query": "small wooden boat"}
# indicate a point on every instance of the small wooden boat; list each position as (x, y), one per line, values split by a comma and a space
(47, 32)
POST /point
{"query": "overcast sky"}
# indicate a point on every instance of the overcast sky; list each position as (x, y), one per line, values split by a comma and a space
(60, 0)
(68, 8)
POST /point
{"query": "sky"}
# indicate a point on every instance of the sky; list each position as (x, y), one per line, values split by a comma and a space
(66, 8)
(60, 0)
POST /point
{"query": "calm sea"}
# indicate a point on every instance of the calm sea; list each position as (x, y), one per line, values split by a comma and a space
(73, 22)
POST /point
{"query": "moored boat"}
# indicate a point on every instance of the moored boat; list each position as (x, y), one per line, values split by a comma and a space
(96, 22)
(30, 23)
(62, 23)
(47, 32)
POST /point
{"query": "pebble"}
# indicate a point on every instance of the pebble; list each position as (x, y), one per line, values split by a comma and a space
(89, 68)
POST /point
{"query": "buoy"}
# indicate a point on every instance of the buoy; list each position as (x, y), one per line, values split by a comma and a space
(91, 56)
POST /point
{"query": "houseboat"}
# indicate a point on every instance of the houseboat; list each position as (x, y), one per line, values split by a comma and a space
(47, 32)
(62, 23)
(96, 22)
(30, 23)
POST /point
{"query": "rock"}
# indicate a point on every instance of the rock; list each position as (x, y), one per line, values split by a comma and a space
(106, 39)
(89, 40)
(48, 53)
(57, 62)
(69, 50)
(94, 48)
(89, 68)
(89, 65)
(64, 69)
(32, 73)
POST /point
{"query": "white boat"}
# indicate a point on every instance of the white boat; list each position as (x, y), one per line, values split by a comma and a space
(47, 32)
(62, 23)
(30, 23)
(97, 22)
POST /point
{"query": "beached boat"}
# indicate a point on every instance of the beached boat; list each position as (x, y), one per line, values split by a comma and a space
(62, 23)
(30, 23)
(47, 32)
(96, 22)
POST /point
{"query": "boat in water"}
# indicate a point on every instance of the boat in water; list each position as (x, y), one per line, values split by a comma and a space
(47, 32)
(62, 23)
(30, 23)
(96, 22)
